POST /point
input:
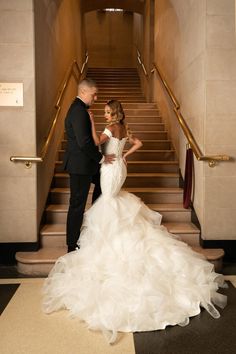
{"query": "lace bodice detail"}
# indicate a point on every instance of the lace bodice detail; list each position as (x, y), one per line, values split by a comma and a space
(113, 175)
(113, 145)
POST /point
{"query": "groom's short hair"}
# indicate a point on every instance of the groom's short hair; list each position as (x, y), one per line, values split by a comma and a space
(86, 83)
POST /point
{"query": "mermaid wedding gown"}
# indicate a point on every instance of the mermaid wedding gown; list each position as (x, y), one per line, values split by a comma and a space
(130, 273)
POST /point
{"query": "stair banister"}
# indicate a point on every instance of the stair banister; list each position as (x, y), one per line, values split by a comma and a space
(212, 159)
(141, 63)
(28, 160)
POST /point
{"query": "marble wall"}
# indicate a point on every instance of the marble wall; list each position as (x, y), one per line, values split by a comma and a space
(38, 41)
(18, 201)
(220, 122)
(195, 49)
(109, 38)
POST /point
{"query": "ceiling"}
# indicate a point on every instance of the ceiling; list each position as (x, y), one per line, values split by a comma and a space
(128, 5)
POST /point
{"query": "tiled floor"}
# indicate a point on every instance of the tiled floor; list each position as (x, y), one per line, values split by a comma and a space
(204, 335)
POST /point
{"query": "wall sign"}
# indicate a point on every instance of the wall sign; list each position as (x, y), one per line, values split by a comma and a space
(11, 94)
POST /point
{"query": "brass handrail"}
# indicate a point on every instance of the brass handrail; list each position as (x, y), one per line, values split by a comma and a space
(212, 160)
(168, 89)
(141, 63)
(28, 160)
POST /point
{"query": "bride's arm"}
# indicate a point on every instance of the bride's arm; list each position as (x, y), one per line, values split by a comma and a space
(98, 140)
(136, 144)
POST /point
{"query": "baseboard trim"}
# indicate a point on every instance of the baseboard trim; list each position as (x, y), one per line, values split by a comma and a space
(229, 246)
(8, 250)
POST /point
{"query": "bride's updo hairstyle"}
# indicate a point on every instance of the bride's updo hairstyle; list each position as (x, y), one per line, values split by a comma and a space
(118, 115)
(117, 112)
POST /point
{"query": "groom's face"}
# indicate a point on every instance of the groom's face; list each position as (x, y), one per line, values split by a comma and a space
(90, 95)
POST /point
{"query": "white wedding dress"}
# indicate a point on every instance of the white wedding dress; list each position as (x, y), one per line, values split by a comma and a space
(130, 273)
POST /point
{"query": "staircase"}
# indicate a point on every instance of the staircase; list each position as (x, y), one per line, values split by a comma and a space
(153, 174)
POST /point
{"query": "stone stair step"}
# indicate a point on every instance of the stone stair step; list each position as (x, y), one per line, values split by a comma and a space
(42, 261)
(118, 90)
(148, 195)
(144, 135)
(128, 105)
(53, 235)
(172, 212)
(101, 78)
(123, 99)
(106, 85)
(126, 97)
(176, 228)
(122, 91)
(112, 71)
(152, 180)
(213, 255)
(147, 145)
(132, 119)
(112, 76)
(132, 180)
(57, 213)
(131, 112)
(157, 155)
(137, 126)
(142, 166)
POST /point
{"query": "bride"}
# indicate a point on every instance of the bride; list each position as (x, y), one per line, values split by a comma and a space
(130, 274)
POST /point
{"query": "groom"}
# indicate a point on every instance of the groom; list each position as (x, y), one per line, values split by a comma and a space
(82, 159)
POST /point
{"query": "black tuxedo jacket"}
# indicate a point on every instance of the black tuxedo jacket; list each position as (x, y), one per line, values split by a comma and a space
(82, 155)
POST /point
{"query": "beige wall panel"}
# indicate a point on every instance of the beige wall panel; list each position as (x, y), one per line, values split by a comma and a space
(16, 61)
(11, 21)
(220, 7)
(18, 225)
(220, 127)
(218, 194)
(220, 31)
(16, 5)
(109, 39)
(17, 193)
(193, 110)
(221, 97)
(220, 224)
(17, 124)
(221, 64)
(21, 140)
(58, 41)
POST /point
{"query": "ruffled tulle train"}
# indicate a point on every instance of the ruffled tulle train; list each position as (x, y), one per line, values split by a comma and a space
(130, 274)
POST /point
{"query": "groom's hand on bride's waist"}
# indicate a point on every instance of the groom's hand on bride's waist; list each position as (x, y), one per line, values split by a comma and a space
(109, 158)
